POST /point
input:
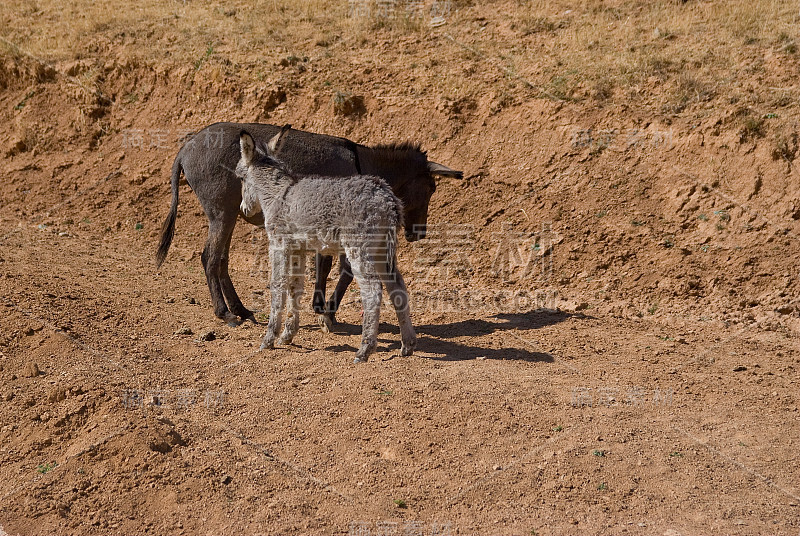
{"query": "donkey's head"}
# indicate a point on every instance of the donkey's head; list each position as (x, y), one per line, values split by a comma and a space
(413, 178)
(259, 171)
(416, 212)
(416, 196)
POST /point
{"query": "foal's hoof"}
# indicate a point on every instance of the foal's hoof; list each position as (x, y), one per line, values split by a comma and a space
(285, 340)
(251, 318)
(364, 352)
(267, 345)
(325, 323)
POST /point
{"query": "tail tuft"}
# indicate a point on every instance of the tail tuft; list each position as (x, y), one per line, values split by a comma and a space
(168, 229)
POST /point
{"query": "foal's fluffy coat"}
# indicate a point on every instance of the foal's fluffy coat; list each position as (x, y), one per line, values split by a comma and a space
(357, 215)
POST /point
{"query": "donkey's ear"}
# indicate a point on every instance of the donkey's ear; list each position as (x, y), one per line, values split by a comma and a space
(438, 170)
(247, 146)
(277, 140)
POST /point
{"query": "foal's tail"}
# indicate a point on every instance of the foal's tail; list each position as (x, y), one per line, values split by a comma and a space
(391, 251)
(392, 242)
(168, 229)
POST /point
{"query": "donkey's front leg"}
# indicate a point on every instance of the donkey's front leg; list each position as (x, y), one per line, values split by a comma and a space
(323, 269)
(279, 259)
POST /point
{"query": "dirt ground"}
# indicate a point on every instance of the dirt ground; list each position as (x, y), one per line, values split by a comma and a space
(607, 304)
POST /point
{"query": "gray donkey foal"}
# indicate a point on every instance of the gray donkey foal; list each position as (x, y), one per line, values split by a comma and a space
(357, 215)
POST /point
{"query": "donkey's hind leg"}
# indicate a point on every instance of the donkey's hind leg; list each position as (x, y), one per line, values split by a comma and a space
(296, 278)
(219, 235)
(231, 297)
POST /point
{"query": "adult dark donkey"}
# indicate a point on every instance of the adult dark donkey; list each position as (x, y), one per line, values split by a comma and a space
(208, 161)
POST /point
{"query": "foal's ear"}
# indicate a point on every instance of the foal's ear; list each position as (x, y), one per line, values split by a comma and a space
(247, 146)
(277, 140)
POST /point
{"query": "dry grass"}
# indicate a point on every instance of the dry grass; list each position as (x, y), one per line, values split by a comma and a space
(607, 51)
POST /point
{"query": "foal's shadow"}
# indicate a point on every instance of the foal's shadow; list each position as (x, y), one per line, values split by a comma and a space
(435, 338)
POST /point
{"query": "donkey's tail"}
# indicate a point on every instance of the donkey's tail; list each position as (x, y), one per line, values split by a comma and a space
(168, 229)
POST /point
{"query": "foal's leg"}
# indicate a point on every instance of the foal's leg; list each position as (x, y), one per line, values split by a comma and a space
(296, 278)
(279, 259)
(398, 295)
(371, 293)
(323, 269)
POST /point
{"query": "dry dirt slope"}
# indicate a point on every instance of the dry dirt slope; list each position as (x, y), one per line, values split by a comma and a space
(667, 219)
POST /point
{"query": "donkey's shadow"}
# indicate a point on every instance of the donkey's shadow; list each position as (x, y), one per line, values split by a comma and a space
(436, 338)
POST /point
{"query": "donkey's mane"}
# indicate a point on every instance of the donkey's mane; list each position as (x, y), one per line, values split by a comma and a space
(403, 146)
(403, 153)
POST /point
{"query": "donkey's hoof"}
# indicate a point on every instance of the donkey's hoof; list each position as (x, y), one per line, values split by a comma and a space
(267, 345)
(325, 323)
(406, 350)
(231, 319)
(358, 360)
(251, 318)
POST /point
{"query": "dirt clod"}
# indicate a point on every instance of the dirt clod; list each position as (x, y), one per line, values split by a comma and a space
(31, 370)
(206, 336)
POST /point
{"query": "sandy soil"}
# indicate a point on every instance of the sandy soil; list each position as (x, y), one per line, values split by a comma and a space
(606, 307)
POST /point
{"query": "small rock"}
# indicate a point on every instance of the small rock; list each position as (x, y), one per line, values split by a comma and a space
(498, 467)
(274, 98)
(191, 301)
(582, 306)
(186, 331)
(57, 395)
(785, 309)
(345, 104)
(740, 368)
(207, 336)
(31, 370)
(169, 299)
(225, 480)
(481, 358)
